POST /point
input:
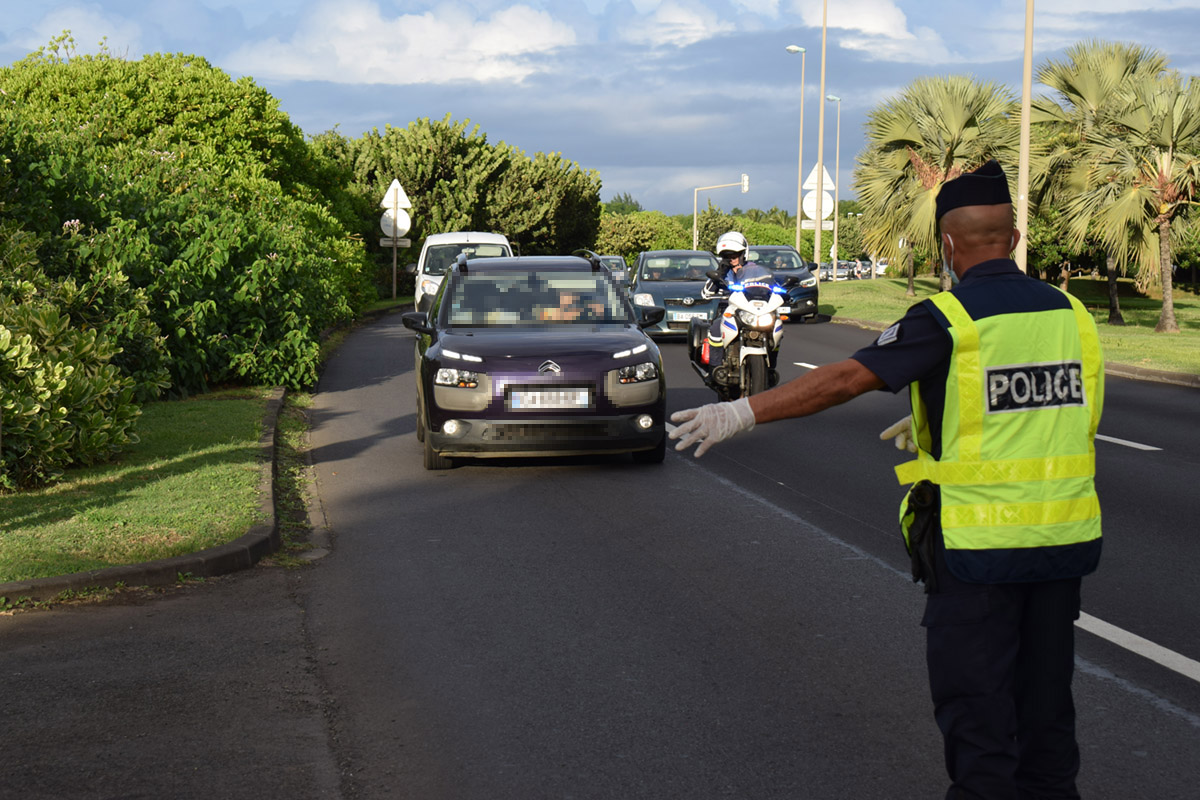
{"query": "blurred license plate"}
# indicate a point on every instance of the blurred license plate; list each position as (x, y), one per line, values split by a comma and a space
(550, 399)
(682, 315)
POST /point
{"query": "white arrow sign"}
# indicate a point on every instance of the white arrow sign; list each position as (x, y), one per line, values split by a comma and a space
(810, 182)
(395, 197)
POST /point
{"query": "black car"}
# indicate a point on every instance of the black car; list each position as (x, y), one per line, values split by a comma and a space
(536, 356)
(800, 283)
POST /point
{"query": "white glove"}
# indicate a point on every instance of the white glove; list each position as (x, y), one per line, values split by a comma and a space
(712, 423)
(901, 431)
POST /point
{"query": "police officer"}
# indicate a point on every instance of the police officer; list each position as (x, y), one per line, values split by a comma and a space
(1006, 381)
(731, 249)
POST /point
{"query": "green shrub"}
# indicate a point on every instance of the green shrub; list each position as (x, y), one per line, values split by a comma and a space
(61, 401)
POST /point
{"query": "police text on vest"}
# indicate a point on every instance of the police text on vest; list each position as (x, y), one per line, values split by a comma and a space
(1023, 387)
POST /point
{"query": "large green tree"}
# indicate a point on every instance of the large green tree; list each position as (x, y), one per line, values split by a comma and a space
(1093, 83)
(935, 130)
(457, 180)
(1140, 173)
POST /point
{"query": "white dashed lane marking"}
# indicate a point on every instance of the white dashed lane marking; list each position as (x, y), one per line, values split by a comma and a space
(1107, 631)
(1126, 442)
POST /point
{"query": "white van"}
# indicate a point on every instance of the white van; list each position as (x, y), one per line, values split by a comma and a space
(441, 250)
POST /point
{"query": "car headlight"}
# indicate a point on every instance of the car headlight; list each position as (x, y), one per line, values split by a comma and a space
(429, 287)
(643, 299)
(462, 378)
(636, 373)
(808, 282)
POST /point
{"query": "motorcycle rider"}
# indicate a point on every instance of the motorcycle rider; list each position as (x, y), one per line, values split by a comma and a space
(731, 250)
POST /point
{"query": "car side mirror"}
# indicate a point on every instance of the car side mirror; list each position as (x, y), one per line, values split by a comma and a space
(650, 315)
(417, 321)
(411, 269)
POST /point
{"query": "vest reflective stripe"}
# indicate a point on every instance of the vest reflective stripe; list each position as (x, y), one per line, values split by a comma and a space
(949, 473)
(1022, 514)
(1017, 473)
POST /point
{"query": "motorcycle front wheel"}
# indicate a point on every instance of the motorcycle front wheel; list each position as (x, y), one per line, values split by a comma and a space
(756, 374)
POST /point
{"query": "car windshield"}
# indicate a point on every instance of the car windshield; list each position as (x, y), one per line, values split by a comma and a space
(677, 268)
(777, 260)
(500, 299)
(439, 257)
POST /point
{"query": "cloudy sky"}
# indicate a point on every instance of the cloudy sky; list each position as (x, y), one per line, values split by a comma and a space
(659, 96)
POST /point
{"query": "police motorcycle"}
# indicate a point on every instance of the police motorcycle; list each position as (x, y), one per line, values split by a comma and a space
(751, 314)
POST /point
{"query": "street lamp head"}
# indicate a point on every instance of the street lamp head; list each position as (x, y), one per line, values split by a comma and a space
(793, 49)
(833, 98)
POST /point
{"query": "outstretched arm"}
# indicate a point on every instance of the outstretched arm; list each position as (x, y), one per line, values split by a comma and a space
(824, 387)
(820, 389)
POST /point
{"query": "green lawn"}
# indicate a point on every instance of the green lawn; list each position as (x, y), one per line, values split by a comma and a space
(883, 300)
(190, 483)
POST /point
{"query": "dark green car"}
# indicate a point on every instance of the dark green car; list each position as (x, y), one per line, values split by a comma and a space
(674, 280)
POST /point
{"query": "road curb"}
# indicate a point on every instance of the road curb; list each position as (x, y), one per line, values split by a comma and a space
(242, 553)
(1110, 368)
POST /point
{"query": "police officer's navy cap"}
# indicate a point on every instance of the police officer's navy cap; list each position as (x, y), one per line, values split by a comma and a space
(986, 186)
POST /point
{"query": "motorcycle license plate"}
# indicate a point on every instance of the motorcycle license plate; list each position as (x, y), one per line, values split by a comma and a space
(556, 399)
(679, 316)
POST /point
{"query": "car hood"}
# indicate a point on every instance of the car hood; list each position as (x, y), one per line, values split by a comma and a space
(515, 345)
(671, 288)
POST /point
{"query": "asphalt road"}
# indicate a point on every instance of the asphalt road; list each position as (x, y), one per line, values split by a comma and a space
(740, 625)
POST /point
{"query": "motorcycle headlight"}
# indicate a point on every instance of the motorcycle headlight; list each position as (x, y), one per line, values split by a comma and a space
(461, 378)
(643, 299)
(756, 320)
(636, 373)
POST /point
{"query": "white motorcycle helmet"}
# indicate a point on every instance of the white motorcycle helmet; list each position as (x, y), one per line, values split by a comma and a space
(731, 242)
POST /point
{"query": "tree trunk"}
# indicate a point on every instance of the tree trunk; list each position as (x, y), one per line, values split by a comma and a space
(1064, 272)
(1166, 321)
(908, 257)
(1114, 302)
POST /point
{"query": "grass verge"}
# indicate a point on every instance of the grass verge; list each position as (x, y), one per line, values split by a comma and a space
(191, 482)
(883, 300)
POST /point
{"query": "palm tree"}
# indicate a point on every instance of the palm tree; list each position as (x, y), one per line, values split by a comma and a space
(1140, 173)
(934, 131)
(1096, 81)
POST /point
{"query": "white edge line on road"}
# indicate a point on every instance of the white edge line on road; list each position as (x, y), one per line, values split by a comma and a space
(1126, 442)
(1122, 638)
(804, 364)
(1143, 647)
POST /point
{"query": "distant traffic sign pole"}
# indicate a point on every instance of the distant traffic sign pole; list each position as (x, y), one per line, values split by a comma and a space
(744, 183)
(394, 223)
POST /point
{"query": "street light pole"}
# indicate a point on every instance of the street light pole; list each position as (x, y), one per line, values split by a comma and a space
(837, 182)
(818, 216)
(744, 183)
(1023, 163)
(793, 49)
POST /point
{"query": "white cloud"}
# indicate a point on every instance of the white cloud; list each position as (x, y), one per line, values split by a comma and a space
(673, 24)
(88, 25)
(767, 8)
(350, 41)
(874, 17)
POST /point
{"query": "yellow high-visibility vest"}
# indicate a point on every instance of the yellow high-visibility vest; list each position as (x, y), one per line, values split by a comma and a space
(1023, 400)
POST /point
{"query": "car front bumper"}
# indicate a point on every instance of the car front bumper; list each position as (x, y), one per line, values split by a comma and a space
(583, 435)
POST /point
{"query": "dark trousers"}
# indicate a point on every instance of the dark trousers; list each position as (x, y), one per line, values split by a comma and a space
(1001, 658)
